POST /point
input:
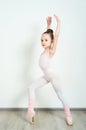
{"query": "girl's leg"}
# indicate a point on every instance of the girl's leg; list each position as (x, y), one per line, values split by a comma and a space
(37, 84)
(56, 85)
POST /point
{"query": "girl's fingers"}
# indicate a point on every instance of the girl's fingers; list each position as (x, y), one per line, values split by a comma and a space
(49, 19)
(56, 17)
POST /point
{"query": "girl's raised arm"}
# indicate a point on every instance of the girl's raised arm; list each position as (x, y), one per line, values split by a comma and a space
(49, 21)
(57, 31)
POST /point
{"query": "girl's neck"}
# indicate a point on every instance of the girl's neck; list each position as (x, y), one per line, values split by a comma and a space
(46, 50)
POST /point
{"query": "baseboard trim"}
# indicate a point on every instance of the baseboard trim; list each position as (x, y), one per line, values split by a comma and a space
(19, 109)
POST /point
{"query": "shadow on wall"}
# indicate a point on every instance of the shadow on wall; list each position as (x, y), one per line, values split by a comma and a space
(28, 54)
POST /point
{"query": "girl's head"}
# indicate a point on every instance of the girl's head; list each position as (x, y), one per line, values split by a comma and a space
(47, 38)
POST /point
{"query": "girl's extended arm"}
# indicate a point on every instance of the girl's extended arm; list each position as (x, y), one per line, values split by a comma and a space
(57, 31)
(49, 21)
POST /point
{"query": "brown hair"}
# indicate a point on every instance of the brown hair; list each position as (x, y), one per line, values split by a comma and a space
(50, 32)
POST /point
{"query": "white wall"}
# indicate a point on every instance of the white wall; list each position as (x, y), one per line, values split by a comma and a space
(21, 25)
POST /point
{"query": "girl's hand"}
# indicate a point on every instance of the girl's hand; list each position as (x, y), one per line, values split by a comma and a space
(49, 21)
(57, 18)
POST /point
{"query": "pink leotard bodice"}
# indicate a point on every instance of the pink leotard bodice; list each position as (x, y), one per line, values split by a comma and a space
(45, 64)
(45, 61)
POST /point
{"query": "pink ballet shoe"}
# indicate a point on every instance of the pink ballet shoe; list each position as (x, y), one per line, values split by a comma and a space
(69, 119)
(31, 115)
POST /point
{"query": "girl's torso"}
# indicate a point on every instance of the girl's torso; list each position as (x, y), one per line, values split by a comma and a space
(45, 64)
(45, 61)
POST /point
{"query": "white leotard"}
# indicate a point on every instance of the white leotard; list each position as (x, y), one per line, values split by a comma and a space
(45, 64)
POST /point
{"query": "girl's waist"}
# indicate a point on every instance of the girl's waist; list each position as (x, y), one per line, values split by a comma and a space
(48, 70)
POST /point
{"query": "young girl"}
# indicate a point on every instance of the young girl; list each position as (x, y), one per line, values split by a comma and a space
(49, 43)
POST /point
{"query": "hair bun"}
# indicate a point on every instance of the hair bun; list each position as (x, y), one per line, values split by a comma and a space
(49, 31)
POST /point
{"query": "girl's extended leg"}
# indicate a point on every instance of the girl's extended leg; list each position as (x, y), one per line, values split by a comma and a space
(56, 85)
(37, 84)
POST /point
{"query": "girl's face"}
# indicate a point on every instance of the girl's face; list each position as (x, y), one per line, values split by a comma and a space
(45, 40)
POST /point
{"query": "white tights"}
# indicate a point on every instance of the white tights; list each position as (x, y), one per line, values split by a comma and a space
(43, 81)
